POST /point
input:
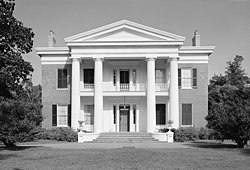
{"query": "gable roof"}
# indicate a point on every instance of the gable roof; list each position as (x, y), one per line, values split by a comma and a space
(124, 31)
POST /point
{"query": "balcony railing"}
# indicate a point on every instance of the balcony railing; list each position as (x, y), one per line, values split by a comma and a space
(136, 87)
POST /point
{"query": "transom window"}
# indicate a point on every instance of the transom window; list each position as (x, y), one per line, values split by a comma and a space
(62, 78)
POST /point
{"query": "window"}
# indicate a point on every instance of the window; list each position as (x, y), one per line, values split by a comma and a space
(160, 114)
(88, 76)
(187, 114)
(187, 78)
(61, 115)
(62, 79)
(160, 76)
(114, 112)
(89, 114)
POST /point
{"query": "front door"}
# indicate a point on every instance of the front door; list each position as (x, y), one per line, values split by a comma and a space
(124, 118)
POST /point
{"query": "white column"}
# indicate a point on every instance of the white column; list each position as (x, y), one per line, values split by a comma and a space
(117, 119)
(131, 118)
(174, 92)
(75, 93)
(137, 120)
(151, 108)
(98, 96)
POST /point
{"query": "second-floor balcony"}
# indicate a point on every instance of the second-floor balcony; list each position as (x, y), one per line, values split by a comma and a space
(124, 87)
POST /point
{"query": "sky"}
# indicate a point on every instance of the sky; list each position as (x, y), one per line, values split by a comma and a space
(221, 23)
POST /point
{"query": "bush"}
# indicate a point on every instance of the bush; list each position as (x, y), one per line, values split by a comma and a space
(18, 121)
(204, 133)
(59, 134)
(186, 134)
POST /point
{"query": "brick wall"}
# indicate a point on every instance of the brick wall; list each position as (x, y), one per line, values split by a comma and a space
(197, 97)
(50, 93)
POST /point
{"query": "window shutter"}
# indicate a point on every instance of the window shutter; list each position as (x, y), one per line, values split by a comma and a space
(54, 115)
(179, 77)
(69, 115)
(194, 78)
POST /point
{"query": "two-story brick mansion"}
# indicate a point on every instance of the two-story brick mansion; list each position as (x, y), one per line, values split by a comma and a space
(125, 77)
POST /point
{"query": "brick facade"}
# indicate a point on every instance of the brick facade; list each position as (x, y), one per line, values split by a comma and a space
(197, 97)
(50, 93)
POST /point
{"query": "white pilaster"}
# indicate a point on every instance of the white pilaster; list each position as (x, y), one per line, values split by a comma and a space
(98, 96)
(118, 80)
(174, 92)
(75, 93)
(130, 80)
(151, 108)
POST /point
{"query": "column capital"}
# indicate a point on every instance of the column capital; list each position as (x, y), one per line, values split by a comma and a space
(75, 59)
(98, 58)
(151, 58)
(174, 58)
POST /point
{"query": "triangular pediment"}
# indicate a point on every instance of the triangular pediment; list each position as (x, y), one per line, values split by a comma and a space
(124, 31)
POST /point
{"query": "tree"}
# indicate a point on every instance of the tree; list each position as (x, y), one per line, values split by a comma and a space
(20, 118)
(20, 102)
(229, 103)
(15, 40)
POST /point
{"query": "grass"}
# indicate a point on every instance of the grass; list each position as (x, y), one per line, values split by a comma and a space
(200, 155)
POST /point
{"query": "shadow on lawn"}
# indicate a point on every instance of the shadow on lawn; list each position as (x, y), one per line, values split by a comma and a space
(16, 148)
(213, 145)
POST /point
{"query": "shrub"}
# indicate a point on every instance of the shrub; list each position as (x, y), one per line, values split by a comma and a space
(204, 133)
(185, 134)
(18, 120)
(59, 134)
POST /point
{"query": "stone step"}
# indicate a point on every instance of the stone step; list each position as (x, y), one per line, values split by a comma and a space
(125, 137)
(125, 134)
(121, 141)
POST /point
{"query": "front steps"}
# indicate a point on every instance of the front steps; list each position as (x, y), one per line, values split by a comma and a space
(125, 137)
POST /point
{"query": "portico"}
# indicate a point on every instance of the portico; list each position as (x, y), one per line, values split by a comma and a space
(149, 92)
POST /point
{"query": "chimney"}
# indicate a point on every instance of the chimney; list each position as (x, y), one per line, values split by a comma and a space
(51, 39)
(196, 41)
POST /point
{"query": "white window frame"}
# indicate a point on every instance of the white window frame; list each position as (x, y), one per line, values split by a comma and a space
(57, 70)
(58, 115)
(187, 78)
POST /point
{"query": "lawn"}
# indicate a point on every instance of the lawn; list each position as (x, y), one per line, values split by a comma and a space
(198, 156)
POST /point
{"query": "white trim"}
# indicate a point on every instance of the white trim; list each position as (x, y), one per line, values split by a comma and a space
(123, 24)
(121, 43)
(191, 62)
(57, 79)
(66, 105)
(55, 62)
